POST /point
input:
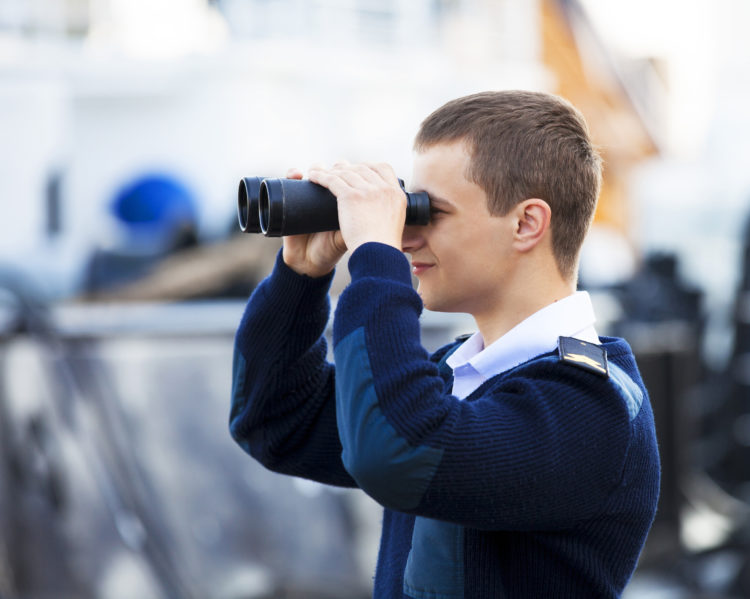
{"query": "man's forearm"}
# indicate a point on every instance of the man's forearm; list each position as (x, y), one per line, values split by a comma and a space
(283, 410)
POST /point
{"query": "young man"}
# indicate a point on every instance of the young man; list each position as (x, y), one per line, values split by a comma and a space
(519, 463)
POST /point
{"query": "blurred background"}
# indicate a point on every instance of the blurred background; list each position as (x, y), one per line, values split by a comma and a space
(125, 127)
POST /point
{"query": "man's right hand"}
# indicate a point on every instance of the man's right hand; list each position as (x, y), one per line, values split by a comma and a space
(312, 254)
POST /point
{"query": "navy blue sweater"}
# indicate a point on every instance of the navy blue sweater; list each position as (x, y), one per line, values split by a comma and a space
(542, 483)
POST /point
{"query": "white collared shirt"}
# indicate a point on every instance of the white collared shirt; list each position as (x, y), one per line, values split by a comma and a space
(472, 363)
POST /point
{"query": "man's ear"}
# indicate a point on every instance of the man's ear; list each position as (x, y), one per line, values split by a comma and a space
(533, 217)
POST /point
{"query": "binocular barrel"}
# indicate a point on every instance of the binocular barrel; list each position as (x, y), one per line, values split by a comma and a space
(277, 207)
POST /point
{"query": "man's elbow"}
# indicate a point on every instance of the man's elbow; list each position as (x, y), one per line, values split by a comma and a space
(396, 479)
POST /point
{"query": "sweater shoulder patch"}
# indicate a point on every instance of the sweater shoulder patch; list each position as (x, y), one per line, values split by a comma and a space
(589, 356)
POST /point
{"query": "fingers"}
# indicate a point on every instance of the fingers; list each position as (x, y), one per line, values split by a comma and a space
(294, 173)
(367, 171)
(342, 176)
(384, 171)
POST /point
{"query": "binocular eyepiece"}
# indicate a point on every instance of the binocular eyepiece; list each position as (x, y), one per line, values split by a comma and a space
(277, 207)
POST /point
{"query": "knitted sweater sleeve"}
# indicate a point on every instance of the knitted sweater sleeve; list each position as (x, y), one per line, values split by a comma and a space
(542, 448)
(282, 406)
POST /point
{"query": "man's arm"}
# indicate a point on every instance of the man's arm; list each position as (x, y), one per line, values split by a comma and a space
(283, 406)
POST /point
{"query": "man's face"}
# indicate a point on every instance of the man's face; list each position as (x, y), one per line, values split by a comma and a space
(461, 258)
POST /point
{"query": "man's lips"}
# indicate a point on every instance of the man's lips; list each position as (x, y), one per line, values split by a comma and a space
(419, 267)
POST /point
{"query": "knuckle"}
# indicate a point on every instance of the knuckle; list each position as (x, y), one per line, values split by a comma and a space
(357, 195)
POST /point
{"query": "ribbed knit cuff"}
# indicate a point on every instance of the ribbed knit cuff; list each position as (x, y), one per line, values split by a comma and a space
(286, 282)
(381, 261)
(379, 292)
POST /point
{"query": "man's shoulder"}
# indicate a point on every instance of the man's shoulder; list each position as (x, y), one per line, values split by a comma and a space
(576, 356)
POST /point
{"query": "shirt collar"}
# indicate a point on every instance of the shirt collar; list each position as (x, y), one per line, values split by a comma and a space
(572, 316)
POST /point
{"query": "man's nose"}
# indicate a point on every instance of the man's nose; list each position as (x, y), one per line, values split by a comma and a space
(412, 239)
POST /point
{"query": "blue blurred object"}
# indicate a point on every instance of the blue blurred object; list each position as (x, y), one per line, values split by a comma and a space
(154, 216)
(156, 211)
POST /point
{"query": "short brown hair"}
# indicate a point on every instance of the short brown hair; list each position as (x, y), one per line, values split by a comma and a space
(526, 145)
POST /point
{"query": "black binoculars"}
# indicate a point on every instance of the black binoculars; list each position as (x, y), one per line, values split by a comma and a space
(277, 207)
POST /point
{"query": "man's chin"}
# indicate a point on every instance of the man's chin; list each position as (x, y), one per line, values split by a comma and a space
(429, 302)
(425, 298)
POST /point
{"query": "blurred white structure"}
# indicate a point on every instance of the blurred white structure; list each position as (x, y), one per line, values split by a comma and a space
(96, 92)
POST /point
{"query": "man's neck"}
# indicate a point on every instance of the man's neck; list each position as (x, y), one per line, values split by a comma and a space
(519, 303)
